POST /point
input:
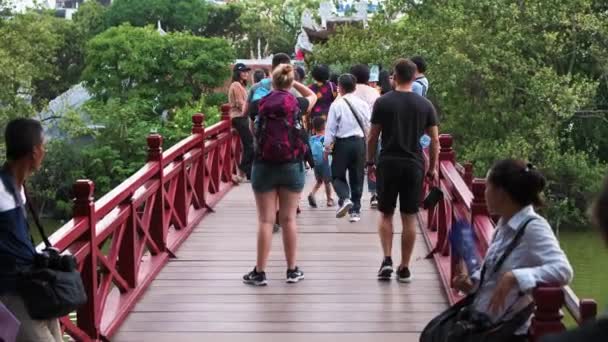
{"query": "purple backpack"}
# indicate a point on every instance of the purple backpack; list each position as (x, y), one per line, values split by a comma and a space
(279, 134)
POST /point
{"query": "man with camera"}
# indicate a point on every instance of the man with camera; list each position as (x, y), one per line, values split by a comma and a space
(24, 143)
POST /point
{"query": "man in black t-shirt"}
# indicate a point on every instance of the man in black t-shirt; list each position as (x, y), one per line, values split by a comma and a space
(402, 117)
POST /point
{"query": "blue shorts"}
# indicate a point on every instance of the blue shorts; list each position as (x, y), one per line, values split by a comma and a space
(268, 177)
(323, 172)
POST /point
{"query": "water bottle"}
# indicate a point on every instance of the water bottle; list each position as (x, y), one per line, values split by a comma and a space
(425, 141)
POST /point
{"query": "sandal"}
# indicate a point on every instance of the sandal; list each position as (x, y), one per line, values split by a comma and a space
(330, 202)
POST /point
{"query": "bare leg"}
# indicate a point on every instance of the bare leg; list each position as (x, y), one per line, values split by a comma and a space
(316, 187)
(266, 203)
(386, 233)
(328, 190)
(288, 205)
(408, 238)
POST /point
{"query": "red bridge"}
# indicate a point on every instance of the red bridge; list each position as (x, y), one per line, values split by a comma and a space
(162, 256)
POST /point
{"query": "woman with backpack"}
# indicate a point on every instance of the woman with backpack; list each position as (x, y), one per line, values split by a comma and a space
(278, 168)
(523, 254)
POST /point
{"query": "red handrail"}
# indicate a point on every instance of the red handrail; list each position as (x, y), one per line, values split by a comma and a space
(123, 240)
(464, 198)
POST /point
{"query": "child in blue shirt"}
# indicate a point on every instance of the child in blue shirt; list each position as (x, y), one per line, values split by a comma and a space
(322, 169)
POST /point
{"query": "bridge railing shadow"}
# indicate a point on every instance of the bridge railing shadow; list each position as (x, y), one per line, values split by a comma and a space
(464, 199)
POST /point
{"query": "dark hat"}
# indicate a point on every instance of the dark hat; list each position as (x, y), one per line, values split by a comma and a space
(241, 67)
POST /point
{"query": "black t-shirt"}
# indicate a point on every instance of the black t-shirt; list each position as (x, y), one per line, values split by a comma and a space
(404, 117)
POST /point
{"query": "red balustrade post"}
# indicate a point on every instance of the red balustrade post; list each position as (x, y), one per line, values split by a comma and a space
(547, 317)
(159, 220)
(446, 152)
(588, 310)
(478, 206)
(89, 315)
(198, 127)
(226, 149)
(468, 175)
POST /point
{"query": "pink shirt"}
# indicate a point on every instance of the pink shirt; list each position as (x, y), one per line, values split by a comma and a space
(367, 94)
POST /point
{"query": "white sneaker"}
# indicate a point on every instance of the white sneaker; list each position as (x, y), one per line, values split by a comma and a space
(355, 217)
(344, 209)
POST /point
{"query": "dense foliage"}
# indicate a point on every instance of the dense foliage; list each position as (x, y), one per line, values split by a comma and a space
(510, 79)
(141, 82)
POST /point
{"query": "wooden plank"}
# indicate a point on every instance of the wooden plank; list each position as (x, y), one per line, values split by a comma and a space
(283, 316)
(199, 296)
(262, 327)
(263, 337)
(152, 297)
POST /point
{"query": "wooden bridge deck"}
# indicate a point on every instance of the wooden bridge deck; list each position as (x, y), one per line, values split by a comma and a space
(199, 295)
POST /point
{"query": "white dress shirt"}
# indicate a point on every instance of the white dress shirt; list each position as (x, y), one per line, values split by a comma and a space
(537, 259)
(341, 122)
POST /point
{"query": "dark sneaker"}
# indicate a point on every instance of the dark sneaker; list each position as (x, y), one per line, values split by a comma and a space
(404, 275)
(312, 201)
(344, 208)
(255, 278)
(276, 227)
(294, 276)
(355, 217)
(386, 270)
(374, 202)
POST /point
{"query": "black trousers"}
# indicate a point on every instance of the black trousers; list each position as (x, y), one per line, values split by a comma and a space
(241, 125)
(349, 155)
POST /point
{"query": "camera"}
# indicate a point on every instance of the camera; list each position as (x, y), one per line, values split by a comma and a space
(469, 322)
(50, 258)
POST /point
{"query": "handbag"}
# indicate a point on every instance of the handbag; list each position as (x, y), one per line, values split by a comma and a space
(52, 286)
(460, 323)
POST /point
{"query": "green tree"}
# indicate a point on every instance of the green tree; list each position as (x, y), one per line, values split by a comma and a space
(128, 62)
(28, 48)
(508, 79)
(174, 15)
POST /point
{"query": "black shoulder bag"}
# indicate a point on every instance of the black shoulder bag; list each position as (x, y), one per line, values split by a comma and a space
(52, 286)
(460, 323)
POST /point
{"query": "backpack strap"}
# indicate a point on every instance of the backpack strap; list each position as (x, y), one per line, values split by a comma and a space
(356, 117)
(514, 243)
(424, 89)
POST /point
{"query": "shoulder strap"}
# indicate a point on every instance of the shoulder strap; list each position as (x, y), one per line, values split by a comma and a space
(11, 187)
(36, 218)
(422, 85)
(514, 243)
(356, 117)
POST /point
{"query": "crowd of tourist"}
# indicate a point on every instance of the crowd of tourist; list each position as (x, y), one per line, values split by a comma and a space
(346, 126)
(350, 125)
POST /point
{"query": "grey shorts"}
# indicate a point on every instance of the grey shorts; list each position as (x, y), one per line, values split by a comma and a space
(267, 177)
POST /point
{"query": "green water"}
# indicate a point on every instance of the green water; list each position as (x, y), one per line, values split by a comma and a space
(588, 255)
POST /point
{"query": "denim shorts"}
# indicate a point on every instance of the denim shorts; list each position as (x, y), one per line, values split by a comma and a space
(323, 172)
(266, 177)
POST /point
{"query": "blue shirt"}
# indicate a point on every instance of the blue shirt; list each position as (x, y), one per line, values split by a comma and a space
(537, 259)
(421, 86)
(16, 249)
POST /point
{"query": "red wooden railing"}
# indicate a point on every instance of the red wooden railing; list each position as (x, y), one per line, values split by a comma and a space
(124, 239)
(464, 198)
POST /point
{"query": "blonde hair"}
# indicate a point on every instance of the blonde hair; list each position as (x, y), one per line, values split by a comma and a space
(283, 76)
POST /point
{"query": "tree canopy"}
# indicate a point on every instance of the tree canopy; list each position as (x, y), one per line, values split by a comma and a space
(510, 79)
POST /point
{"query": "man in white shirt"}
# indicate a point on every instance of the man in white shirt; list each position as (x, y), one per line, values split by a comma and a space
(369, 95)
(347, 125)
